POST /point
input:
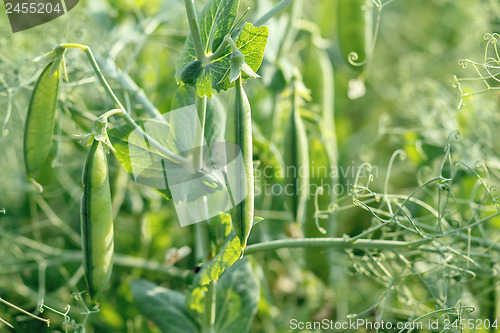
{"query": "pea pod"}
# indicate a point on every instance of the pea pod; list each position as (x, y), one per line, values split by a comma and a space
(40, 121)
(96, 220)
(239, 132)
(296, 158)
(354, 32)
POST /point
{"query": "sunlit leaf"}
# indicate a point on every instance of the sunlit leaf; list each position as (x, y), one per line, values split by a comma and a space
(210, 78)
(227, 256)
(215, 20)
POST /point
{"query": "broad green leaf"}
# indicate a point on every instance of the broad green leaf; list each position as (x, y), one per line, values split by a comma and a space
(215, 21)
(210, 78)
(163, 306)
(229, 253)
(40, 121)
(211, 271)
(237, 298)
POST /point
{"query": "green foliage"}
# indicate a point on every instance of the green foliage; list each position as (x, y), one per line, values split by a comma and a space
(163, 306)
(400, 205)
(229, 253)
(238, 294)
(209, 79)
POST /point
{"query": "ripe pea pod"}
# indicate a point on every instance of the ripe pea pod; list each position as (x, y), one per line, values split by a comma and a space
(296, 158)
(354, 32)
(239, 132)
(40, 121)
(96, 220)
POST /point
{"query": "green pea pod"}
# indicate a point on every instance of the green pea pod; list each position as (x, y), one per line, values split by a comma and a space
(96, 220)
(40, 121)
(296, 158)
(354, 32)
(239, 132)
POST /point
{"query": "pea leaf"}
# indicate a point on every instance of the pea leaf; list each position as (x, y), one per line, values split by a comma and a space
(237, 298)
(212, 270)
(229, 253)
(163, 306)
(215, 21)
(210, 78)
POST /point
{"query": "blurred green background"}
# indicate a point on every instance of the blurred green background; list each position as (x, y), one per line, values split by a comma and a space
(410, 104)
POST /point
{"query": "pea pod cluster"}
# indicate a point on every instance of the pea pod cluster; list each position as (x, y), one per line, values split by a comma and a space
(96, 220)
(40, 121)
(296, 159)
(239, 132)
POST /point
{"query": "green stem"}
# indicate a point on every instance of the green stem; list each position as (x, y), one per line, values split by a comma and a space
(121, 109)
(97, 71)
(272, 12)
(195, 31)
(202, 228)
(344, 243)
(169, 154)
(199, 138)
(110, 113)
(47, 321)
(129, 85)
(224, 43)
(231, 42)
(209, 324)
(290, 29)
(57, 257)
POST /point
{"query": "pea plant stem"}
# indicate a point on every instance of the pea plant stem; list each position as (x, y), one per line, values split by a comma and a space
(102, 79)
(47, 321)
(272, 12)
(123, 112)
(57, 256)
(126, 82)
(97, 71)
(199, 139)
(342, 243)
(195, 31)
(209, 326)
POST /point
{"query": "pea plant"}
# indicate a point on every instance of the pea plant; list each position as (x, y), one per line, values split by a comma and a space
(424, 241)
